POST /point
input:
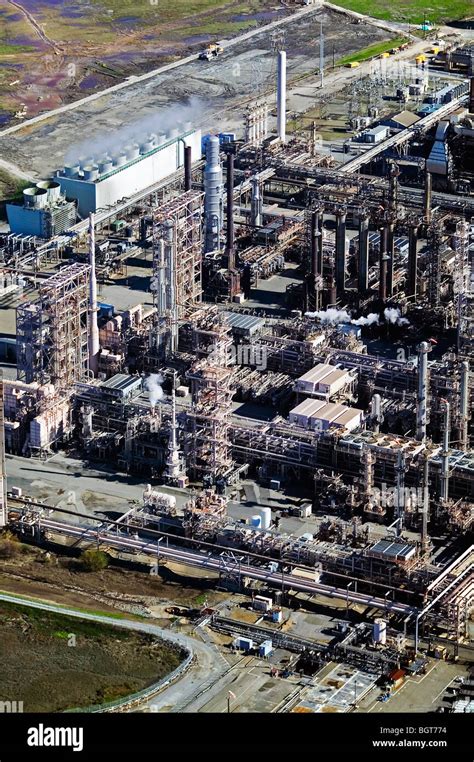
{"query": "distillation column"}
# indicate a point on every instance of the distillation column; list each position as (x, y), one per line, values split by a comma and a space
(391, 257)
(464, 406)
(213, 195)
(412, 261)
(255, 204)
(383, 264)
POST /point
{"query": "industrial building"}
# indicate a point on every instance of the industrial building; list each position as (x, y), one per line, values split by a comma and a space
(99, 182)
(45, 211)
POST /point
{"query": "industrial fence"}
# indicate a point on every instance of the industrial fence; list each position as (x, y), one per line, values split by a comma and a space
(136, 699)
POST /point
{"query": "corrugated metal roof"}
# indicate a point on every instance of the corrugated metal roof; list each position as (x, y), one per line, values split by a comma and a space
(321, 373)
(243, 322)
(121, 381)
(393, 549)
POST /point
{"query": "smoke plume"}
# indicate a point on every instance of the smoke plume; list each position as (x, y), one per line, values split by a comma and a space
(153, 386)
(101, 144)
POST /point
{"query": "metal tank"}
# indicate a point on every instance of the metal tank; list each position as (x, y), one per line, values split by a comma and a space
(91, 172)
(71, 170)
(35, 197)
(52, 188)
(105, 165)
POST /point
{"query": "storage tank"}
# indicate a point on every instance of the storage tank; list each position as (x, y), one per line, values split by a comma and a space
(105, 165)
(147, 146)
(132, 152)
(266, 514)
(256, 521)
(52, 188)
(120, 160)
(35, 197)
(71, 170)
(380, 631)
(91, 172)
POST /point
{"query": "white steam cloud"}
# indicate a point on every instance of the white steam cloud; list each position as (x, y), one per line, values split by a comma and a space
(330, 316)
(112, 142)
(153, 385)
(392, 315)
(371, 319)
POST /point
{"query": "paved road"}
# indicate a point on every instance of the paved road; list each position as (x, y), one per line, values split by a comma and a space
(209, 664)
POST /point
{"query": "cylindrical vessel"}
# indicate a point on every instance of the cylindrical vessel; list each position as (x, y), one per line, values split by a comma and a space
(35, 197)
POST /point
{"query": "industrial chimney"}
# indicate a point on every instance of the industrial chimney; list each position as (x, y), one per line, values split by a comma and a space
(213, 193)
(281, 96)
(93, 338)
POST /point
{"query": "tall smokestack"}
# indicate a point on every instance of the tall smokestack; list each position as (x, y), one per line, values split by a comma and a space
(444, 491)
(425, 540)
(391, 257)
(3, 472)
(255, 204)
(412, 261)
(341, 252)
(187, 168)
(213, 193)
(422, 395)
(464, 405)
(427, 197)
(363, 269)
(230, 212)
(93, 337)
(383, 262)
(281, 96)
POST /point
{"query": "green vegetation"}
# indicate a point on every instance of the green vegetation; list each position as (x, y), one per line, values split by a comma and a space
(94, 560)
(73, 662)
(8, 49)
(11, 188)
(412, 11)
(218, 28)
(371, 51)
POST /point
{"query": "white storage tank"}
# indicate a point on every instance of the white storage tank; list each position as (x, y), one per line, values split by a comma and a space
(91, 172)
(266, 514)
(71, 170)
(132, 151)
(256, 521)
(105, 165)
(120, 160)
(380, 631)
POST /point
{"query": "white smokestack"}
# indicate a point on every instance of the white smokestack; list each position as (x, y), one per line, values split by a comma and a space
(281, 96)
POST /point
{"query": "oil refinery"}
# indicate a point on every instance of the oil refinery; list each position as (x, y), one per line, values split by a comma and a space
(243, 361)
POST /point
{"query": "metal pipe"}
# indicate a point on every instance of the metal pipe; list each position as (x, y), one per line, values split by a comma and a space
(230, 212)
(412, 261)
(422, 395)
(391, 257)
(93, 335)
(255, 204)
(428, 196)
(464, 405)
(444, 486)
(187, 168)
(3, 471)
(341, 252)
(425, 509)
(363, 269)
(281, 96)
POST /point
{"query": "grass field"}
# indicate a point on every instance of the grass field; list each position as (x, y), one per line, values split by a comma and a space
(371, 51)
(413, 11)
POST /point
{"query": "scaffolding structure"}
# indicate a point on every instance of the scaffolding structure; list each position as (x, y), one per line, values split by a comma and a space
(177, 257)
(52, 331)
(208, 446)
